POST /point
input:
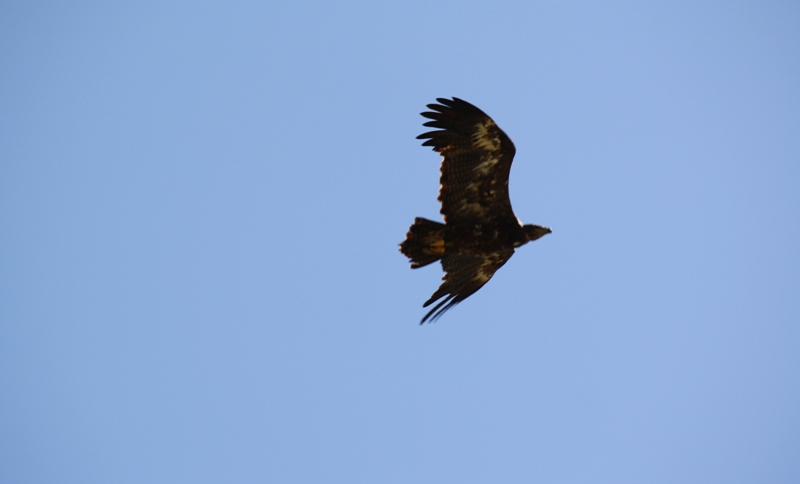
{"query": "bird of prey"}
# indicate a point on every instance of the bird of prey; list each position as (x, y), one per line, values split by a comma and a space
(480, 231)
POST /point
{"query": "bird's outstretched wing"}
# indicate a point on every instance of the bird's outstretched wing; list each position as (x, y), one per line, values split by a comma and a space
(476, 161)
(464, 275)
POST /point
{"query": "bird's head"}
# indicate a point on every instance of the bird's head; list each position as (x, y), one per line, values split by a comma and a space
(534, 232)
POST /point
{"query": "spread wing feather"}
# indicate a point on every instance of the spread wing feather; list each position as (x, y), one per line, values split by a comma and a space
(464, 275)
(476, 161)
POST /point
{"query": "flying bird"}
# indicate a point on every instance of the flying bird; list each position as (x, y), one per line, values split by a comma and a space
(480, 231)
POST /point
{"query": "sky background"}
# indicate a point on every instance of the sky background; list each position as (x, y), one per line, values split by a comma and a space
(200, 206)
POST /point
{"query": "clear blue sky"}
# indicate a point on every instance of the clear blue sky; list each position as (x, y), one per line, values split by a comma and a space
(200, 206)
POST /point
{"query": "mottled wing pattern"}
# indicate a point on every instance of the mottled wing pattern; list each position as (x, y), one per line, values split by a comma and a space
(464, 275)
(476, 161)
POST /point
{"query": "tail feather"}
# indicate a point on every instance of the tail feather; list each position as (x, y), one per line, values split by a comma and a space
(424, 242)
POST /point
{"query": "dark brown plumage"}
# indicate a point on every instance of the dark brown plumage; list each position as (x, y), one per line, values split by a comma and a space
(480, 232)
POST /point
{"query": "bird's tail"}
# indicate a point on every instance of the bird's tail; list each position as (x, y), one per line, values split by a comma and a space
(424, 242)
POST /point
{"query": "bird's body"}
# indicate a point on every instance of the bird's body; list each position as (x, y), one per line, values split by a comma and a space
(480, 232)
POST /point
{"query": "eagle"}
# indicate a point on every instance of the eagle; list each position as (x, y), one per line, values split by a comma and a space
(480, 231)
